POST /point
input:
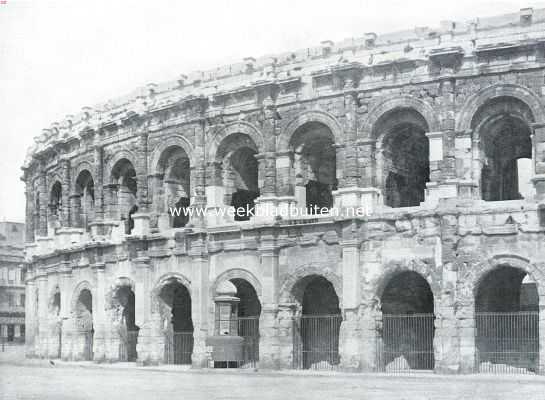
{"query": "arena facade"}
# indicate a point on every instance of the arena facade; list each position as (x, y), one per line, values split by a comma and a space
(438, 133)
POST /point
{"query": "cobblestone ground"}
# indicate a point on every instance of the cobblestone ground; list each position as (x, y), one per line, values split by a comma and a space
(43, 381)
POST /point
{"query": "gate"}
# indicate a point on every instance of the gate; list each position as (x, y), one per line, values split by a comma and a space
(248, 328)
(88, 345)
(127, 346)
(405, 343)
(178, 347)
(316, 342)
(507, 342)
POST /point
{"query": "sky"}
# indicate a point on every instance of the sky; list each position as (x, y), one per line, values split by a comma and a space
(59, 56)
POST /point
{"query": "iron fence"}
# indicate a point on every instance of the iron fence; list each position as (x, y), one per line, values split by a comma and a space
(248, 329)
(316, 342)
(178, 347)
(405, 343)
(507, 342)
(127, 346)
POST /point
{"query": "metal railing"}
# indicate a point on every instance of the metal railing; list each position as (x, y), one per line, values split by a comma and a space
(507, 342)
(316, 342)
(248, 328)
(178, 347)
(405, 343)
(127, 346)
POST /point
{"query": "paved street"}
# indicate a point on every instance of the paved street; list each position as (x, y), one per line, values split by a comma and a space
(43, 381)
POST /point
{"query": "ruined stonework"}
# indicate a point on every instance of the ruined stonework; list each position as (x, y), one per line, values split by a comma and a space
(439, 134)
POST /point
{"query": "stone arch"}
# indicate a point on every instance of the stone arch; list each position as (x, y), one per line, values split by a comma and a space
(170, 277)
(166, 143)
(75, 294)
(395, 268)
(55, 196)
(52, 180)
(402, 102)
(115, 158)
(476, 274)
(81, 167)
(164, 280)
(240, 127)
(499, 299)
(286, 295)
(310, 116)
(237, 273)
(119, 282)
(501, 126)
(474, 102)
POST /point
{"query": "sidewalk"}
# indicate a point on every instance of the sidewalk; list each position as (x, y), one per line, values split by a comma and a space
(19, 361)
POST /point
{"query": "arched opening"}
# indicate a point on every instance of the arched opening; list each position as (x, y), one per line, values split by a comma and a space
(503, 126)
(124, 299)
(316, 336)
(176, 311)
(238, 173)
(249, 310)
(56, 324)
(84, 323)
(315, 164)
(84, 200)
(404, 157)
(122, 192)
(507, 322)
(407, 328)
(174, 189)
(55, 204)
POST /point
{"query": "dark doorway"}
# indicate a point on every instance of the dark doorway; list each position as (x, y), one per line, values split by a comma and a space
(84, 322)
(179, 336)
(128, 333)
(507, 322)
(406, 331)
(249, 310)
(316, 333)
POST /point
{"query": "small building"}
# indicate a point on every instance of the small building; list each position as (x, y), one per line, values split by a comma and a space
(12, 282)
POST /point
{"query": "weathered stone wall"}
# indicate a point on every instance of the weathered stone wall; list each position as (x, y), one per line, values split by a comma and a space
(448, 86)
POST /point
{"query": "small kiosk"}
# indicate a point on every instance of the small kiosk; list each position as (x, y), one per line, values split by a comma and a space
(226, 346)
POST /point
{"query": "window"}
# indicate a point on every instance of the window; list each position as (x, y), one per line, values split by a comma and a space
(22, 300)
(11, 275)
(10, 300)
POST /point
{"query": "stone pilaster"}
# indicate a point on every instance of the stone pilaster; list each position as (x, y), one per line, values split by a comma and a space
(199, 300)
(538, 153)
(198, 178)
(148, 352)
(65, 211)
(75, 214)
(350, 334)
(100, 337)
(29, 210)
(98, 179)
(43, 200)
(65, 311)
(142, 172)
(269, 356)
